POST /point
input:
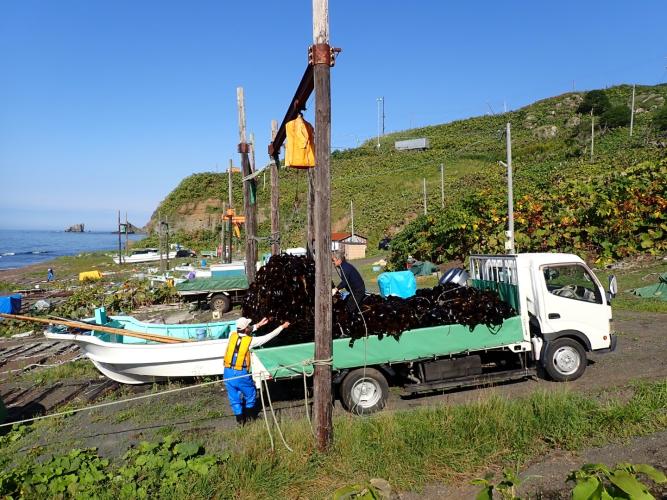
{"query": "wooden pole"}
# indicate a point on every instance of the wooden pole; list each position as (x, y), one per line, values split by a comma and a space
(231, 207)
(275, 196)
(120, 256)
(249, 193)
(510, 190)
(126, 234)
(322, 403)
(310, 211)
(81, 325)
(252, 152)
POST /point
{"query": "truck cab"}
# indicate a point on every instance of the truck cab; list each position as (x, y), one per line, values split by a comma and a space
(565, 308)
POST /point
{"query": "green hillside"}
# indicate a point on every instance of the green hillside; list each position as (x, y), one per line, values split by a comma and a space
(550, 149)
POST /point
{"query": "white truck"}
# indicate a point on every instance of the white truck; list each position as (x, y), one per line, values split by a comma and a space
(563, 313)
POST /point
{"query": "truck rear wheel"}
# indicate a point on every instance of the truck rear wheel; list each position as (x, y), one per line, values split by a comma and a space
(565, 360)
(221, 302)
(364, 391)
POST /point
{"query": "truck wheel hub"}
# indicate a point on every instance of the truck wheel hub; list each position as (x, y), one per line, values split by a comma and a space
(366, 393)
(566, 360)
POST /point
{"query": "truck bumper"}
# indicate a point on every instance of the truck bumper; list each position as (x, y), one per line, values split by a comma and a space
(612, 345)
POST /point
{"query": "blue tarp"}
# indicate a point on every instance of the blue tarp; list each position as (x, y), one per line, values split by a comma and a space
(10, 304)
(400, 283)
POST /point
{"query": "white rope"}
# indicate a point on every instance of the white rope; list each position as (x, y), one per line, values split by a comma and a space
(266, 419)
(128, 400)
(273, 414)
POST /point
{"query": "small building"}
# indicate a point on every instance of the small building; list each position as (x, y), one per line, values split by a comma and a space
(354, 245)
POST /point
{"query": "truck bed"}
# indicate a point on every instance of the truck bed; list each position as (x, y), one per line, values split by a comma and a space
(202, 285)
(413, 345)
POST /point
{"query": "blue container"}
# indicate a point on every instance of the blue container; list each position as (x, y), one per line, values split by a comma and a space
(400, 283)
(10, 304)
(201, 333)
(203, 263)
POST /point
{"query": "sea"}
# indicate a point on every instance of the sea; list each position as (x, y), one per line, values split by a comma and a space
(20, 248)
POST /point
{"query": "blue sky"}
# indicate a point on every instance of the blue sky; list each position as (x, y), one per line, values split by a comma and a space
(107, 105)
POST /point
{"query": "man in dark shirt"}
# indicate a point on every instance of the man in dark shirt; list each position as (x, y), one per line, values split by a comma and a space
(351, 280)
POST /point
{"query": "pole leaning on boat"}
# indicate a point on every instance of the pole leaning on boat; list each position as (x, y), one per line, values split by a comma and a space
(100, 328)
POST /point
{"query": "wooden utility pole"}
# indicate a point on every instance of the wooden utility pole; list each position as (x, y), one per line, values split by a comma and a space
(442, 185)
(632, 110)
(126, 234)
(275, 196)
(230, 200)
(310, 210)
(252, 152)
(120, 255)
(322, 401)
(249, 193)
(351, 218)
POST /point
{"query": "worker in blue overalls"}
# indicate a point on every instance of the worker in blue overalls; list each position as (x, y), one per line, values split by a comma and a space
(240, 386)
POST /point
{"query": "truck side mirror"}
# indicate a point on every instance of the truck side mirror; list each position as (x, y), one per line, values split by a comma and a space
(613, 286)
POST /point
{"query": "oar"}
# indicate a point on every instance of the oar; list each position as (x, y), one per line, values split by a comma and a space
(100, 328)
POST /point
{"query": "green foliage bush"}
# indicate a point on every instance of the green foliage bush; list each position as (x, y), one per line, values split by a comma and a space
(660, 118)
(615, 116)
(608, 216)
(595, 100)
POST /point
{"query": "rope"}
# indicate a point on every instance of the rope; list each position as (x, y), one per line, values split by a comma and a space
(128, 400)
(266, 419)
(273, 414)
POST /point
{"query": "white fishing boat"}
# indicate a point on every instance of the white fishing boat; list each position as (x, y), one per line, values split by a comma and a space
(144, 255)
(130, 360)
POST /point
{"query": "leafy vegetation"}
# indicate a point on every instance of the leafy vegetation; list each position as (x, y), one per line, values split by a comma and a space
(660, 119)
(616, 116)
(599, 482)
(149, 470)
(608, 216)
(596, 101)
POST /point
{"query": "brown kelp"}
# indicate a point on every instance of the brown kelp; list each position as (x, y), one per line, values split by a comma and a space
(284, 291)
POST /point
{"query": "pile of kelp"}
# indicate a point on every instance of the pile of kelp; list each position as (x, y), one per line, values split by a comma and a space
(284, 290)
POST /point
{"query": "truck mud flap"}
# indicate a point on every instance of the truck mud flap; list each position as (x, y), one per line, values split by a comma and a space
(473, 381)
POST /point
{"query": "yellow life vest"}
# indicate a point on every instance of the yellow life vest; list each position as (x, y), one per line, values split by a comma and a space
(241, 347)
(300, 148)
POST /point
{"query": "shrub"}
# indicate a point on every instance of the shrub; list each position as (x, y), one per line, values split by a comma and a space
(660, 118)
(616, 116)
(595, 100)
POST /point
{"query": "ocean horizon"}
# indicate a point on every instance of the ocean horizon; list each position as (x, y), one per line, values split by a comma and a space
(24, 247)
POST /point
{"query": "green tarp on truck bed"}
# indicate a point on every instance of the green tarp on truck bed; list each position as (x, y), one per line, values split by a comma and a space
(212, 284)
(412, 345)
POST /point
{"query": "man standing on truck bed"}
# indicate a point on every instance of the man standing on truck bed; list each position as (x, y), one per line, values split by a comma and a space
(240, 387)
(351, 280)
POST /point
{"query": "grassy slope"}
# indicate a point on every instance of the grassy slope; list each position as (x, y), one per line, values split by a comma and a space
(386, 186)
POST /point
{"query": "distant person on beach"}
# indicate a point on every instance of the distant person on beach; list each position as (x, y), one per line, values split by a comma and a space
(49, 275)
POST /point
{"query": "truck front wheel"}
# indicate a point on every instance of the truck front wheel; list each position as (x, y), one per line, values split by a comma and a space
(364, 391)
(221, 302)
(565, 360)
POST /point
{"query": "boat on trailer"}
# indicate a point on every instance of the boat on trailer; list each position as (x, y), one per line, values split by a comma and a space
(131, 360)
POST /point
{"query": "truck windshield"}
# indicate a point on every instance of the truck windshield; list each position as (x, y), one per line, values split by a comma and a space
(572, 281)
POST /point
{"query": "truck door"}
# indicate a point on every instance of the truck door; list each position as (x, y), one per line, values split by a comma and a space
(574, 300)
